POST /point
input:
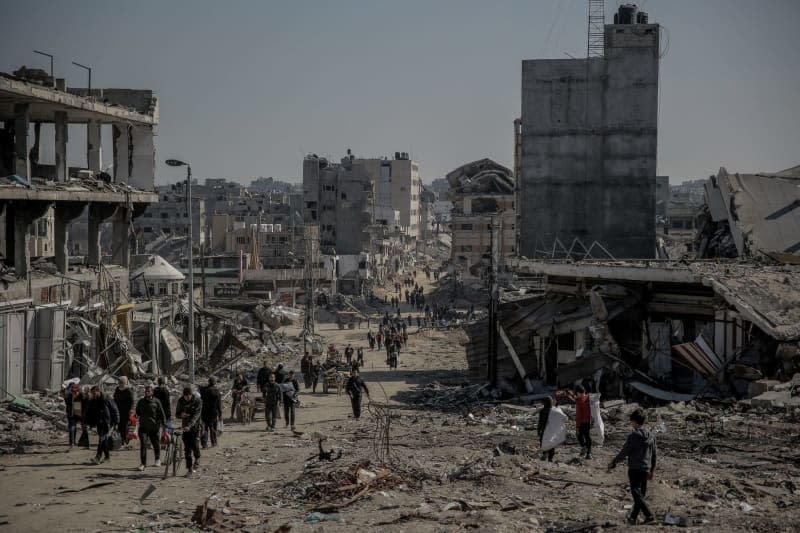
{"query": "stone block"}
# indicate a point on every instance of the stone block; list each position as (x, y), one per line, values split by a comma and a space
(761, 386)
(771, 399)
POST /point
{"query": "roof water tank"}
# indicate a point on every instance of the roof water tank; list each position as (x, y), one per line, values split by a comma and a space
(262, 228)
(277, 227)
(627, 14)
(269, 229)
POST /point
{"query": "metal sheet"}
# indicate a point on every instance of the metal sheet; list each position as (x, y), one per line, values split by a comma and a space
(698, 355)
(659, 394)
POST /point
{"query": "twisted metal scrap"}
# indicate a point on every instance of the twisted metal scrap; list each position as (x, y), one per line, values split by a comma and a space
(382, 415)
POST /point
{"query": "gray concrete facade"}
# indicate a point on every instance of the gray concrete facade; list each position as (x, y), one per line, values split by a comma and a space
(338, 199)
(588, 154)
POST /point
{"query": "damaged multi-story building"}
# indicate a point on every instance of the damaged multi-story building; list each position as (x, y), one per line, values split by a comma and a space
(57, 319)
(587, 143)
(482, 194)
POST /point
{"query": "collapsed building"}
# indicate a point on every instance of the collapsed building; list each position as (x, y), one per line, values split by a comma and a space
(482, 193)
(56, 318)
(751, 216)
(667, 330)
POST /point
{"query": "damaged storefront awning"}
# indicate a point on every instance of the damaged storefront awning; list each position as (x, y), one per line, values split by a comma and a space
(698, 355)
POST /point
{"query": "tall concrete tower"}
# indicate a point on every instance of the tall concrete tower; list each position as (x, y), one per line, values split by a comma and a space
(588, 155)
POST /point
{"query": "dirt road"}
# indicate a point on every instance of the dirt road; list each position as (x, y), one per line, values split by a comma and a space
(447, 470)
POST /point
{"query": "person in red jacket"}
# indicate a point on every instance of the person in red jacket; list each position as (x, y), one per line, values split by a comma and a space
(583, 421)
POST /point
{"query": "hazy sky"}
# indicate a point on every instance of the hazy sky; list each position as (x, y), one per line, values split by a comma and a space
(248, 87)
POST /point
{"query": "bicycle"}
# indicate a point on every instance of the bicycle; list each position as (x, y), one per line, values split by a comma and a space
(174, 454)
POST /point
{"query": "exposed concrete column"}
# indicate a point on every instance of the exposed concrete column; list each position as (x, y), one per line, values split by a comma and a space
(98, 213)
(143, 157)
(22, 162)
(94, 146)
(62, 172)
(121, 237)
(122, 152)
(21, 221)
(64, 214)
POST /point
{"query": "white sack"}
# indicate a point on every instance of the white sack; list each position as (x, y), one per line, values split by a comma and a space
(598, 427)
(555, 432)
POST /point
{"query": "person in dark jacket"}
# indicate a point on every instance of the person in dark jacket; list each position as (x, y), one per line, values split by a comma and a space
(316, 375)
(262, 378)
(188, 410)
(354, 388)
(73, 398)
(98, 416)
(305, 369)
(280, 373)
(151, 421)
(291, 388)
(544, 415)
(212, 411)
(272, 398)
(124, 398)
(162, 395)
(237, 389)
(640, 450)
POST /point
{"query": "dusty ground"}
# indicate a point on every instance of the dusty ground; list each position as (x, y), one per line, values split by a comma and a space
(442, 472)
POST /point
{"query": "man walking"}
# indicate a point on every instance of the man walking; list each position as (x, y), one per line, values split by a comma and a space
(99, 416)
(354, 388)
(161, 394)
(124, 400)
(212, 411)
(640, 449)
(272, 398)
(316, 374)
(151, 420)
(290, 389)
(262, 378)
(188, 411)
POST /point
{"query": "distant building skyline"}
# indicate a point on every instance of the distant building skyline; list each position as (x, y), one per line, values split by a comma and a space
(249, 89)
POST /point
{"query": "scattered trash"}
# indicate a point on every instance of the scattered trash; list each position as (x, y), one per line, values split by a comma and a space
(317, 517)
(746, 507)
(150, 490)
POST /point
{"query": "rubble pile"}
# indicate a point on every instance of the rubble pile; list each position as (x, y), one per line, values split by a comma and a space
(443, 398)
(29, 420)
(328, 487)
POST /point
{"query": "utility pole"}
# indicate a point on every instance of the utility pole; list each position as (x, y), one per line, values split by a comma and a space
(493, 302)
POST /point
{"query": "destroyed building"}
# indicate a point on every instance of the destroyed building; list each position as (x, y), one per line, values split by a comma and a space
(170, 216)
(663, 329)
(751, 216)
(482, 194)
(59, 319)
(588, 149)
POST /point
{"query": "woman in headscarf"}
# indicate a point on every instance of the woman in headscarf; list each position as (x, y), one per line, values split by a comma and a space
(123, 397)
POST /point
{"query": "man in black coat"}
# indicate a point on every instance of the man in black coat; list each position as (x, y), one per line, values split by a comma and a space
(124, 399)
(272, 399)
(99, 416)
(354, 388)
(212, 411)
(161, 394)
(263, 376)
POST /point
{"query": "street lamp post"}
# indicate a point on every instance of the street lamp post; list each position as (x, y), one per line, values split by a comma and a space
(178, 163)
(51, 63)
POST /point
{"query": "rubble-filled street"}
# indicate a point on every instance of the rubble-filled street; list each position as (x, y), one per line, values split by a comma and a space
(429, 455)
(399, 267)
